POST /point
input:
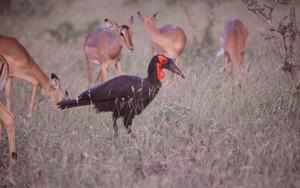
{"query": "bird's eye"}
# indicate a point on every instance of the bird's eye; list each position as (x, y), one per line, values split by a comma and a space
(162, 59)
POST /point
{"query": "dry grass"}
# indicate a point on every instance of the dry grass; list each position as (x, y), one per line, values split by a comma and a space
(202, 133)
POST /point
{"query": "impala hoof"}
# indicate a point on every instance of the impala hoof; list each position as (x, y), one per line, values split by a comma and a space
(14, 155)
(116, 135)
(298, 86)
(238, 85)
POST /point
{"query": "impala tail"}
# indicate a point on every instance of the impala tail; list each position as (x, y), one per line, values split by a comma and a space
(64, 104)
(220, 52)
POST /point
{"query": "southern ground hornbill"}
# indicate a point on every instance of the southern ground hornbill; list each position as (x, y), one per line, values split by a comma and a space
(125, 96)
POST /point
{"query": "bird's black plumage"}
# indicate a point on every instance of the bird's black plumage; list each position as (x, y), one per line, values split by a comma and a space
(125, 96)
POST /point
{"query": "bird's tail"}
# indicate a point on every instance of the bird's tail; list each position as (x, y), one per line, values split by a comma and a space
(72, 103)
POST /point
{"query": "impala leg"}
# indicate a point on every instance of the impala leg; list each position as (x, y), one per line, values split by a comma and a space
(9, 122)
(237, 73)
(89, 70)
(1, 128)
(226, 62)
(35, 84)
(12, 145)
(102, 77)
(118, 68)
(245, 70)
(226, 65)
(8, 92)
(32, 102)
(154, 50)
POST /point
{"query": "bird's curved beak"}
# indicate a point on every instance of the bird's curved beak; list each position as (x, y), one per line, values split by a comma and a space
(170, 65)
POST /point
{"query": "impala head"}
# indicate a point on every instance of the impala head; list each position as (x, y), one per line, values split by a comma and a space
(148, 20)
(56, 92)
(124, 30)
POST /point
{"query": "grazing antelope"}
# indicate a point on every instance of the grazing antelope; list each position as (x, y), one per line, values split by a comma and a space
(168, 39)
(7, 119)
(103, 46)
(233, 46)
(22, 66)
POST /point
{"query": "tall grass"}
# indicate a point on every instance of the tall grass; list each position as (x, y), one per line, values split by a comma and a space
(204, 132)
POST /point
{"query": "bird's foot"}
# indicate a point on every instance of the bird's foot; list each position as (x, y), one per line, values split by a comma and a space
(116, 135)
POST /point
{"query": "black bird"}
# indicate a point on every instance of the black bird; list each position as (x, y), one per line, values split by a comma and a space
(125, 96)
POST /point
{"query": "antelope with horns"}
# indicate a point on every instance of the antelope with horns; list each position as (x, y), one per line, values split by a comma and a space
(103, 46)
(233, 46)
(168, 39)
(22, 66)
(7, 119)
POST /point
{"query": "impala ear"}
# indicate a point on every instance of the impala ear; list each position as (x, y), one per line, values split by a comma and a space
(111, 24)
(140, 16)
(130, 21)
(54, 81)
(155, 16)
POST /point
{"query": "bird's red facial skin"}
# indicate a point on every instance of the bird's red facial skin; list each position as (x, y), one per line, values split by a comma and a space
(162, 59)
(160, 72)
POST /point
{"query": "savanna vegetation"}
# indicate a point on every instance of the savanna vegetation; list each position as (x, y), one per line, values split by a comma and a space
(201, 132)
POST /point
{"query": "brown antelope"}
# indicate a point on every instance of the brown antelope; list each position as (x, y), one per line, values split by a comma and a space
(168, 39)
(7, 119)
(233, 45)
(22, 66)
(103, 46)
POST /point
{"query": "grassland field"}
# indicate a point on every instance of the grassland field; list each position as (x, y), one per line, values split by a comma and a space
(202, 133)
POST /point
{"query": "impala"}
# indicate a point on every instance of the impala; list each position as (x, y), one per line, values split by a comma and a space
(168, 39)
(233, 46)
(22, 66)
(7, 119)
(103, 46)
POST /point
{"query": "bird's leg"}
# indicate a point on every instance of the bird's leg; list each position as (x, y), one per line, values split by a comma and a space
(226, 66)
(102, 77)
(89, 70)
(127, 123)
(115, 126)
